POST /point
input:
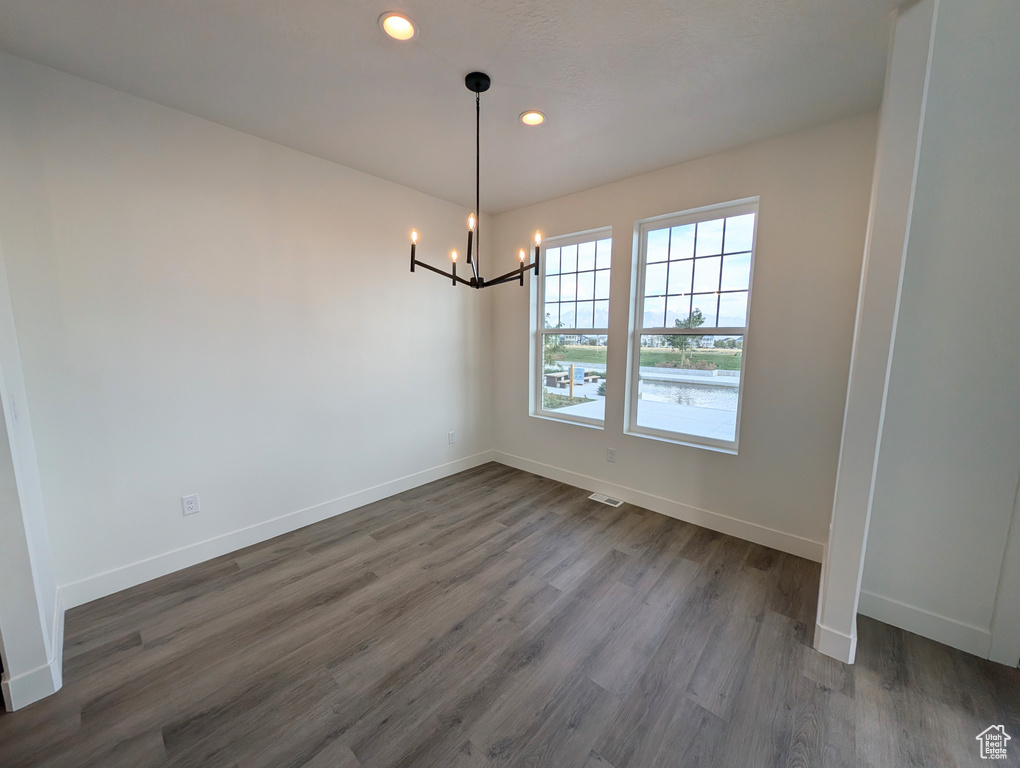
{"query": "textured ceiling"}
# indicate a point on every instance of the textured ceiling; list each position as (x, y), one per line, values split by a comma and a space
(628, 85)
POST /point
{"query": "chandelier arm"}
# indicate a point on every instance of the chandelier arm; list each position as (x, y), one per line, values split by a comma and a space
(510, 275)
(510, 279)
(448, 275)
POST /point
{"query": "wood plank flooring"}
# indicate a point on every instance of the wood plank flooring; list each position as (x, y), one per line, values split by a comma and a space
(496, 618)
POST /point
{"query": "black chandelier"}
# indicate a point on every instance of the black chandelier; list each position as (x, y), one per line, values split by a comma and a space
(477, 82)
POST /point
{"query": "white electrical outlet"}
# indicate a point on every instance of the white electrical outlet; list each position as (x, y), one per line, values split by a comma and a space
(452, 437)
(190, 504)
(611, 455)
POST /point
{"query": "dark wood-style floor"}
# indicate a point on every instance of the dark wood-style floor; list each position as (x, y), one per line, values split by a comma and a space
(497, 618)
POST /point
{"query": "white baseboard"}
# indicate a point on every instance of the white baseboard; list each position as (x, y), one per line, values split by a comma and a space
(956, 634)
(109, 582)
(759, 534)
(57, 662)
(28, 687)
(839, 646)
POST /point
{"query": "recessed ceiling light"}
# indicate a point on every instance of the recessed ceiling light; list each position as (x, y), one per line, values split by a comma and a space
(532, 117)
(397, 25)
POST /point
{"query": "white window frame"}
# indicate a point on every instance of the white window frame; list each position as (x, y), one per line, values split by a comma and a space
(539, 331)
(641, 229)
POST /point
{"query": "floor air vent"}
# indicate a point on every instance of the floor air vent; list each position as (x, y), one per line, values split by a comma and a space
(605, 499)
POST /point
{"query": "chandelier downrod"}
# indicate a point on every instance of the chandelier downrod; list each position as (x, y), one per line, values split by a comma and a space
(478, 83)
(478, 167)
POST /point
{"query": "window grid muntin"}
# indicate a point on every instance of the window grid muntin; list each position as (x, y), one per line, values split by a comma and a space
(677, 221)
(557, 314)
(694, 259)
(603, 239)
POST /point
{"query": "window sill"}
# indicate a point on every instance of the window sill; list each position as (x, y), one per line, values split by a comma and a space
(587, 423)
(686, 440)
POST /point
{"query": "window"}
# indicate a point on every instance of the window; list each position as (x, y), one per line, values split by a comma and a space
(573, 328)
(693, 286)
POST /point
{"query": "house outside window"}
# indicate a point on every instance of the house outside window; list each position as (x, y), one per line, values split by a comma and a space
(691, 301)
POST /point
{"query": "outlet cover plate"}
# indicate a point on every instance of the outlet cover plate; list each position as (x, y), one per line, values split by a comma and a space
(190, 504)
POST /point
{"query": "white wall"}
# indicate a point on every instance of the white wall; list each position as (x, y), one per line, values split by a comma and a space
(949, 457)
(203, 311)
(31, 613)
(814, 189)
(899, 136)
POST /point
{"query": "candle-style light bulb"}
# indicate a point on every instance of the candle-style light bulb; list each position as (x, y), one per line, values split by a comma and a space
(471, 222)
(521, 255)
(414, 235)
(538, 238)
(453, 256)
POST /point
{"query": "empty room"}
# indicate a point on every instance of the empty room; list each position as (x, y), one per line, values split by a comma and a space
(509, 385)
